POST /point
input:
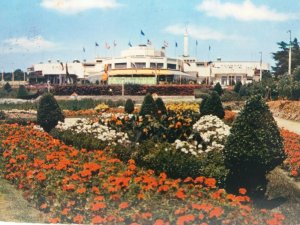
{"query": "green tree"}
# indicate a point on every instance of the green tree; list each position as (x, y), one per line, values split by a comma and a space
(281, 57)
(22, 92)
(253, 148)
(218, 88)
(49, 112)
(7, 87)
(237, 87)
(148, 107)
(161, 106)
(296, 74)
(129, 106)
(212, 105)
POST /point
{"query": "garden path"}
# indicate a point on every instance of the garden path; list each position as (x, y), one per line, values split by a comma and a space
(290, 125)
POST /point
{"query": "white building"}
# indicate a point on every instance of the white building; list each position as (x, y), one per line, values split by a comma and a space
(143, 64)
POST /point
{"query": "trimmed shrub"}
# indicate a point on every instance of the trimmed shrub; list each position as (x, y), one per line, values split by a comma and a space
(212, 105)
(148, 106)
(253, 148)
(7, 87)
(237, 87)
(129, 106)
(49, 112)
(218, 89)
(22, 92)
(161, 108)
(2, 115)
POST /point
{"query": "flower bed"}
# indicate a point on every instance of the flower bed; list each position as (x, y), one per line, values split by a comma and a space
(292, 149)
(76, 186)
(183, 107)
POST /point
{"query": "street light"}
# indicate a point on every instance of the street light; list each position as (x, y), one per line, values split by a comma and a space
(260, 69)
(290, 53)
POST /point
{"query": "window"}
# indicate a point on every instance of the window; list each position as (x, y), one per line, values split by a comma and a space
(171, 66)
(120, 65)
(140, 65)
(224, 80)
(238, 78)
(156, 65)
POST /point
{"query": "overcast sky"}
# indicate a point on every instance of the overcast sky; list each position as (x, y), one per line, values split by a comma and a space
(33, 31)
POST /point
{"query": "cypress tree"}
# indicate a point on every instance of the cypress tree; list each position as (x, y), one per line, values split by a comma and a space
(218, 88)
(22, 92)
(212, 105)
(161, 108)
(7, 87)
(148, 106)
(253, 148)
(237, 87)
(49, 112)
(129, 106)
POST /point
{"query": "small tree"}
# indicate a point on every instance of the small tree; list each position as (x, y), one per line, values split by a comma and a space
(161, 108)
(148, 106)
(22, 92)
(218, 89)
(7, 87)
(237, 87)
(49, 112)
(212, 105)
(253, 148)
(129, 106)
(296, 74)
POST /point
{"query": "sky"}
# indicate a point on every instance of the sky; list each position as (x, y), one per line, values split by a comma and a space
(35, 31)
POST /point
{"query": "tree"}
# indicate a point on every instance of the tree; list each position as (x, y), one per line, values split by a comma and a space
(7, 87)
(129, 106)
(237, 87)
(296, 74)
(22, 92)
(281, 57)
(218, 88)
(49, 112)
(253, 148)
(212, 105)
(161, 108)
(148, 106)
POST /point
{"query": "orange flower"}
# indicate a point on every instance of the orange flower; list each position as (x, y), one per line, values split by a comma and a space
(210, 182)
(81, 190)
(216, 212)
(123, 205)
(43, 206)
(98, 220)
(242, 191)
(41, 176)
(98, 206)
(54, 220)
(78, 218)
(180, 194)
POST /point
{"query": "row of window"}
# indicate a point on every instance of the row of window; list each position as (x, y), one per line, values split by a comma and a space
(141, 65)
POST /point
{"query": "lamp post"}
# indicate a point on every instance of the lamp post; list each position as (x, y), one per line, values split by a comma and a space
(290, 53)
(260, 69)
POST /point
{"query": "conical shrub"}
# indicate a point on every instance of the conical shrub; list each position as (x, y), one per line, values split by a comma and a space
(22, 92)
(212, 105)
(161, 108)
(253, 148)
(148, 106)
(49, 112)
(218, 89)
(129, 106)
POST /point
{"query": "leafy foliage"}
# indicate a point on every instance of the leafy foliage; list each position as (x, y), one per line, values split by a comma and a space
(253, 148)
(212, 105)
(7, 87)
(48, 113)
(148, 106)
(237, 87)
(161, 108)
(22, 92)
(218, 88)
(129, 106)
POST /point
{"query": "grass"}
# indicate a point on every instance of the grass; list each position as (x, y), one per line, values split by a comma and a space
(14, 208)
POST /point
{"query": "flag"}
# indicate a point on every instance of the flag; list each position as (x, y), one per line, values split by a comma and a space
(129, 43)
(196, 43)
(83, 49)
(166, 44)
(209, 48)
(96, 44)
(107, 45)
(115, 44)
(149, 42)
(176, 45)
(142, 33)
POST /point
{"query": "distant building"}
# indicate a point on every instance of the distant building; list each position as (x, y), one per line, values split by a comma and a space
(143, 64)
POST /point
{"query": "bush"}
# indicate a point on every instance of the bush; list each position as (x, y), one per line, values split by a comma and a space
(218, 89)
(237, 87)
(212, 106)
(148, 106)
(229, 96)
(2, 115)
(253, 148)
(129, 106)
(161, 108)
(48, 113)
(22, 92)
(7, 87)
